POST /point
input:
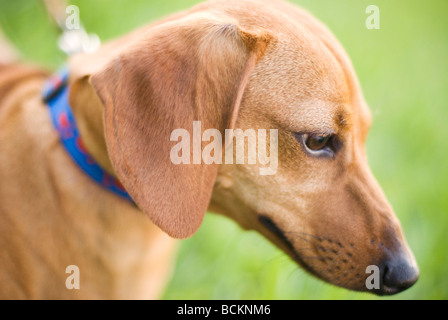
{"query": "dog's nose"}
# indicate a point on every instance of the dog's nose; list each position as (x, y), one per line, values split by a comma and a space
(398, 274)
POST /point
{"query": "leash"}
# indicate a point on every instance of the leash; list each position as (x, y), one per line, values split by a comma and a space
(56, 95)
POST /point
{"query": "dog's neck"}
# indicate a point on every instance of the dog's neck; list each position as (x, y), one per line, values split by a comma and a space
(88, 111)
(85, 103)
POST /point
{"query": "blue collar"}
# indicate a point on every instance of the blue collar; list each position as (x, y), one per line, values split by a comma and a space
(56, 95)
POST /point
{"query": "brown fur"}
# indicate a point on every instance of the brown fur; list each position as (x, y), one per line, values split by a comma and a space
(230, 64)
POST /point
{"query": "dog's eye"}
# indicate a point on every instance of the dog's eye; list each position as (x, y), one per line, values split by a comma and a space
(316, 142)
(319, 145)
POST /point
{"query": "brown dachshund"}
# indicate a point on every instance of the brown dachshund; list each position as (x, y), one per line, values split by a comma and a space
(247, 64)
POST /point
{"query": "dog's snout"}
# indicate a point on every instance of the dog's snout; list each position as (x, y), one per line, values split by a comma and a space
(398, 273)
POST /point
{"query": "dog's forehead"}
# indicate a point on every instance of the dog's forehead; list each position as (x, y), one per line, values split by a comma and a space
(307, 85)
(311, 80)
(349, 104)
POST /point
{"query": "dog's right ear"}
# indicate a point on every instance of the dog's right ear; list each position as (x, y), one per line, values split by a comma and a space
(192, 69)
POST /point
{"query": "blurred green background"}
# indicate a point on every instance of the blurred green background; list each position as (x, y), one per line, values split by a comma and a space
(403, 70)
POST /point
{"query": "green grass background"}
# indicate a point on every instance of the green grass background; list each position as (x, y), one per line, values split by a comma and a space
(403, 70)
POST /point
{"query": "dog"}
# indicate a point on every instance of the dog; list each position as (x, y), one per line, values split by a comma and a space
(248, 64)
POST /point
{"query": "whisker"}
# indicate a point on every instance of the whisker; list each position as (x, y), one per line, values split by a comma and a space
(313, 257)
(319, 238)
(303, 238)
(298, 249)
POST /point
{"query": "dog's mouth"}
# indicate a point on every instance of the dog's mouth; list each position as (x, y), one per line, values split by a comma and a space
(323, 258)
(339, 263)
(289, 248)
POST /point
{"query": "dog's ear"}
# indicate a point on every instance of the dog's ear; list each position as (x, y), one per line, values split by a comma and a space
(193, 69)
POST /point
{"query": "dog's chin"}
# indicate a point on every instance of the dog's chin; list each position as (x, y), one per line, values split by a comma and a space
(281, 240)
(336, 264)
(274, 233)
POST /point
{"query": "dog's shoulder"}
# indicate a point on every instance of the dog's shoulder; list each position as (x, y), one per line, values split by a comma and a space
(12, 76)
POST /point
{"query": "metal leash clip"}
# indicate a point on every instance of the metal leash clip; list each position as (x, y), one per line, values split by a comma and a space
(74, 39)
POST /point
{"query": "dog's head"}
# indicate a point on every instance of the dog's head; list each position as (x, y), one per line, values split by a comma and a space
(255, 65)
